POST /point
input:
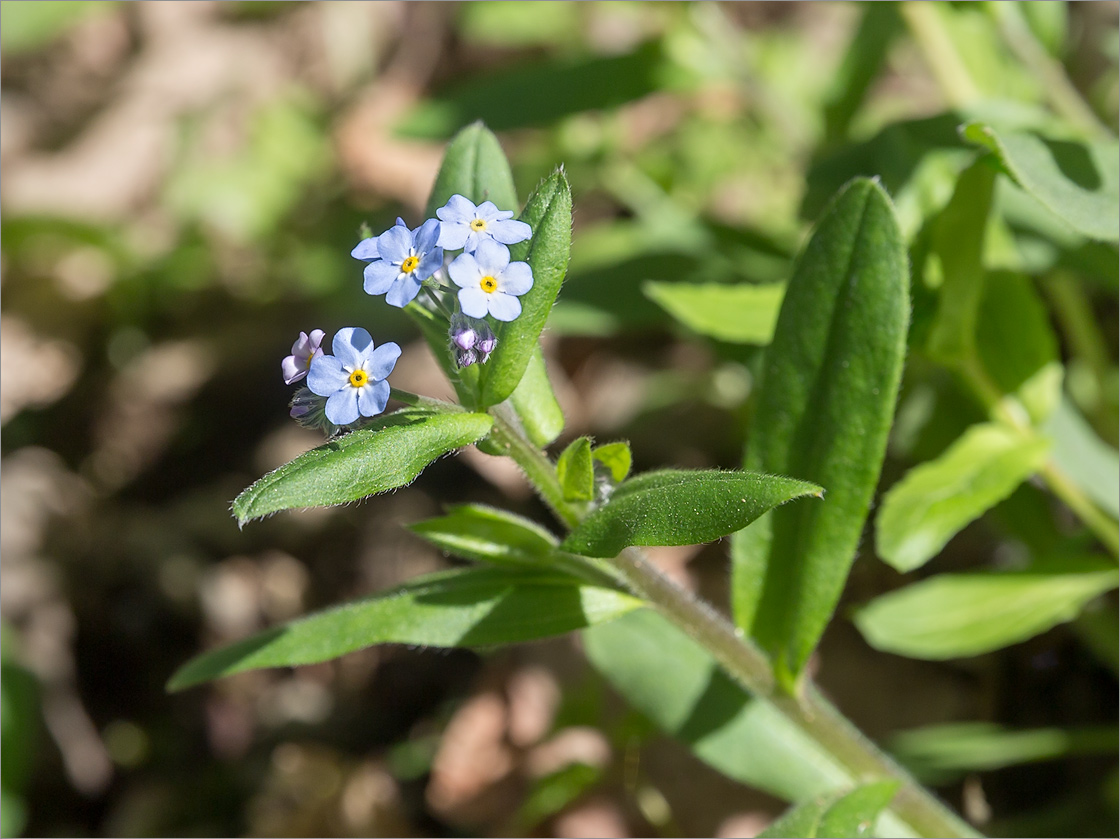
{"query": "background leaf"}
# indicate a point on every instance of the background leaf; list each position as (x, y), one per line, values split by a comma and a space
(739, 314)
(1089, 461)
(535, 403)
(957, 615)
(936, 499)
(549, 213)
(849, 815)
(388, 453)
(575, 471)
(475, 167)
(674, 507)
(474, 607)
(827, 397)
(1078, 181)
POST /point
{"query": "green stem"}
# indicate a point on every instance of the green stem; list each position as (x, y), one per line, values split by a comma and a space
(923, 19)
(740, 657)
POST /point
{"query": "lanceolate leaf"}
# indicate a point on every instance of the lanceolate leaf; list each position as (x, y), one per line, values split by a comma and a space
(828, 392)
(739, 314)
(388, 453)
(955, 615)
(680, 508)
(466, 608)
(850, 815)
(535, 403)
(1077, 181)
(549, 213)
(475, 167)
(488, 535)
(576, 472)
(935, 500)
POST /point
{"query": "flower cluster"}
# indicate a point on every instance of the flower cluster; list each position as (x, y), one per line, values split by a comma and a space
(350, 383)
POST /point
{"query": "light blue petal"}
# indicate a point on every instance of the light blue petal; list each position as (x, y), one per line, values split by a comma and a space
(509, 232)
(473, 301)
(504, 307)
(395, 244)
(426, 236)
(326, 376)
(366, 249)
(488, 211)
(372, 398)
(404, 290)
(352, 345)
(453, 234)
(464, 272)
(382, 360)
(492, 257)
(431, 263)
(342, 406)
(379, 276)
(517, 278)
(457, 208)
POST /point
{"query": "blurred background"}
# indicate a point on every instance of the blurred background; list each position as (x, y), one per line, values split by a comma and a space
(181, 186)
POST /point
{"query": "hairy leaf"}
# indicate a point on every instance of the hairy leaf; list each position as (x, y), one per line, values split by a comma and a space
(616, 457)
(388, 453)
(740, 314)
(576, 472)
(938, 498)
(850, 815)
(486, 534)
(535, 403)
(475, 167)
(829, 385)
(673, 507)
(475, 607)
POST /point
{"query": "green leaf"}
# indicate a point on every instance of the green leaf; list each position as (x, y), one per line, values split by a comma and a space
(1077, 181)
(553, 793)
(739, 314)
(958, 243)
(829, 385)
(535, 403)
(388, 453)
(673, 507)
(475, 167)
(677, 684)
(850, 815)
(1091, 463)
(549, 213)
(576, 472)
(941, 753)
(486, 534)
(935, 500)
(616, 457)
(958, 615)
(474, 607)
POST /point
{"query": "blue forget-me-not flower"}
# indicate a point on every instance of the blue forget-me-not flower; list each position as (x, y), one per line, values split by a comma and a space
(353, 378)
(463, 225)
(489, 283)
(400, 260)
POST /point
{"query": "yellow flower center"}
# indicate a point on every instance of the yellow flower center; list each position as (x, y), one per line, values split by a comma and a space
(359, 378)
(409, 264)
(478, 225)
(488, 284)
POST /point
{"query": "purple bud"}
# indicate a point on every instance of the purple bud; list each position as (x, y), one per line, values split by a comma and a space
(486, 344)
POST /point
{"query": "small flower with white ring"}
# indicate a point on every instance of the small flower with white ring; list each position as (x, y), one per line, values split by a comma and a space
(404, 260)
(489, 283)
(463, 225)
(304, 351)
(353, 379)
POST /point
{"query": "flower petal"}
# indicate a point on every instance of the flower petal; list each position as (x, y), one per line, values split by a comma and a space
(372, 398)
(464, 272)
(492, 257)
(453, 234)
(395, 243)
(429, 264)
(326, 376)
(292, 369)
(342, 406)
(517, 278)
(457, 208)
(302, 346)
(425, 236)
(379, 276)
(487, 211)
(473, 301)
(366, 249)
(504, 307)
(509, 232)
(317, 336)
(403, 291)
(352, 345)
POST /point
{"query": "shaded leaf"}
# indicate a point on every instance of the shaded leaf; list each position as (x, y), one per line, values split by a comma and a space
(1077, 181)
(475, 167)
(388, 453)
(474, 607)
(741, 314)
(673, 507)
(850, 815)
(549, 213)
(829, 384)
(486, 534)
(1089, 461)
(575, 471)
(535, 403)
(957, 615)
(936, 499)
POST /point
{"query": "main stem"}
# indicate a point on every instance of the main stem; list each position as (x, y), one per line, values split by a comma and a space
(742, 660)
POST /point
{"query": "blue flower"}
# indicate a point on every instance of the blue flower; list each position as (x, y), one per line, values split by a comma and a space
(489, 283)
(366, 250)
(463, 225)
(304, 351)
(353, 379)
(403, 260)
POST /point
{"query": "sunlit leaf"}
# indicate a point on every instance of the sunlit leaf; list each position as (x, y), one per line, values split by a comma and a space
(575, 471)
(740, 314)
(475, 167)
(852, 814)
(616, 457)
(486, 534)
